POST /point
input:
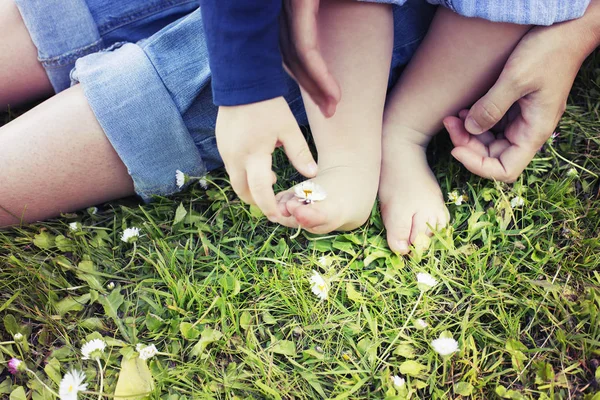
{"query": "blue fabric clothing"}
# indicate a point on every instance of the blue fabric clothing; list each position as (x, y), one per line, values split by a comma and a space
(243, 47)
(152, 96)
(242, 38)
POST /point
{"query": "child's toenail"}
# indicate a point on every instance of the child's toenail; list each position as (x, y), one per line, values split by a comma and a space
(402, 246)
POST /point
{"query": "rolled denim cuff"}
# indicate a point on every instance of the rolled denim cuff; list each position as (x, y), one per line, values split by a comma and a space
(47, 21)
(140, 118)
(526, 12)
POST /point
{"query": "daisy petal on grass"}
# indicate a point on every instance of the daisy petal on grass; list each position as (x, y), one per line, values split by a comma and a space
(93, 349)
(74, 226)
(398, 382)
(146, 352)
(456, 198)
(444, 346)
(71, 384)
(421, 324)
(320, 286)
(517, 202)
(309, 192)
(425, 281)
(180, 179)
(130, 235)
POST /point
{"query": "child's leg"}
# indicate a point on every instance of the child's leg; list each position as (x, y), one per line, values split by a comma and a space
(56, 158)
(356, 40)
(457, 62)
(22, 77)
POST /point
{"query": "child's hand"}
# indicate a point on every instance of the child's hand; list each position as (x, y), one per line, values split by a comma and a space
(247, 136)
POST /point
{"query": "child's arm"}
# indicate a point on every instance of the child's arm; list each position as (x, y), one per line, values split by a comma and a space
(248, 86)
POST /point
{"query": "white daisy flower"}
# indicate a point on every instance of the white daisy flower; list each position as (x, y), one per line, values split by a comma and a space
(180, 178)
(18, 337)
(421, 324)
(309, 192)
(445, 346)
(398, 382)
(74, 226)
(71, 384)
(320, 286)
(517, 201)
(110, 285)
(146, 352)
(425, 281)
(130, 235)
(203, 183)
(455, 198)
(572, 173)
(93, 349)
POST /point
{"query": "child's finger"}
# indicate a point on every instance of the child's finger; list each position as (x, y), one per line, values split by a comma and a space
(298, 152)
(259, 181)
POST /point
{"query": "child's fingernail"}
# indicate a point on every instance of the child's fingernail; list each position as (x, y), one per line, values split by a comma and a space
(472, 126)
(312, 168)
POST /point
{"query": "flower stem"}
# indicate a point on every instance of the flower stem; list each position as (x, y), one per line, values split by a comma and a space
(42, 382)
(101, 371)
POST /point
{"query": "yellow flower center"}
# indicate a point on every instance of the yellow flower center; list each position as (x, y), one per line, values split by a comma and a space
(307, 192)
(321, 287)
(70, 388)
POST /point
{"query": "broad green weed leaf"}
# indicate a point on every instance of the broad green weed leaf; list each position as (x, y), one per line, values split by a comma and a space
(154, 322)
(18, 394)
(69, 304)
(285, 347)
(111, 303)
(52, 369)
(64, 244)
(207, 337)
(135, 380)
(189, 331)
(6, 386)
(179, 214)
(353, 294)
(10, 323)
(405, 350)
(268, 318)
(44, 240)
(412, 368)
(245, 320)
(463, 388)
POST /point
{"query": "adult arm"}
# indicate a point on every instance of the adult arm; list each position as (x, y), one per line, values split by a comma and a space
(534, 86)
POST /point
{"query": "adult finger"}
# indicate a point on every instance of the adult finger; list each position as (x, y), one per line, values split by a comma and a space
(310, 68)
(461, 138)
(298, 152)
(492, 107)
(239, 183)
(259, 182)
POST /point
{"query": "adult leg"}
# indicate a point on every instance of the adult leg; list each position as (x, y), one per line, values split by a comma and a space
(356, 40)
(56, 158)
(457, 62)
(22, 77)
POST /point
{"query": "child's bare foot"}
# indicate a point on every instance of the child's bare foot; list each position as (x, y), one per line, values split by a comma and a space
(351, 191)
(410, 197)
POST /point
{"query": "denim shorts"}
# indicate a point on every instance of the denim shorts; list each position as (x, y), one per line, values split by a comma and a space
(143, 66)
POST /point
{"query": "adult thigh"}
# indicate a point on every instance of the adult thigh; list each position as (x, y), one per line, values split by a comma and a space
(22, 77)
(56, 158)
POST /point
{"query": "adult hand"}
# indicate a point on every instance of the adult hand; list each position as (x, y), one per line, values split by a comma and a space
(299, 41)
(534, 86)
(247, 135)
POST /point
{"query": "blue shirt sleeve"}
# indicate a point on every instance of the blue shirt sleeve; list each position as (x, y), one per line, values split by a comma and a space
(243, 47)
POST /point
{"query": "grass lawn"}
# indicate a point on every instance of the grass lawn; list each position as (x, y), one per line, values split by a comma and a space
(225, 296)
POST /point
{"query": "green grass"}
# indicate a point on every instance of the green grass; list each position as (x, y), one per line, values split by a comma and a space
(225, 296)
